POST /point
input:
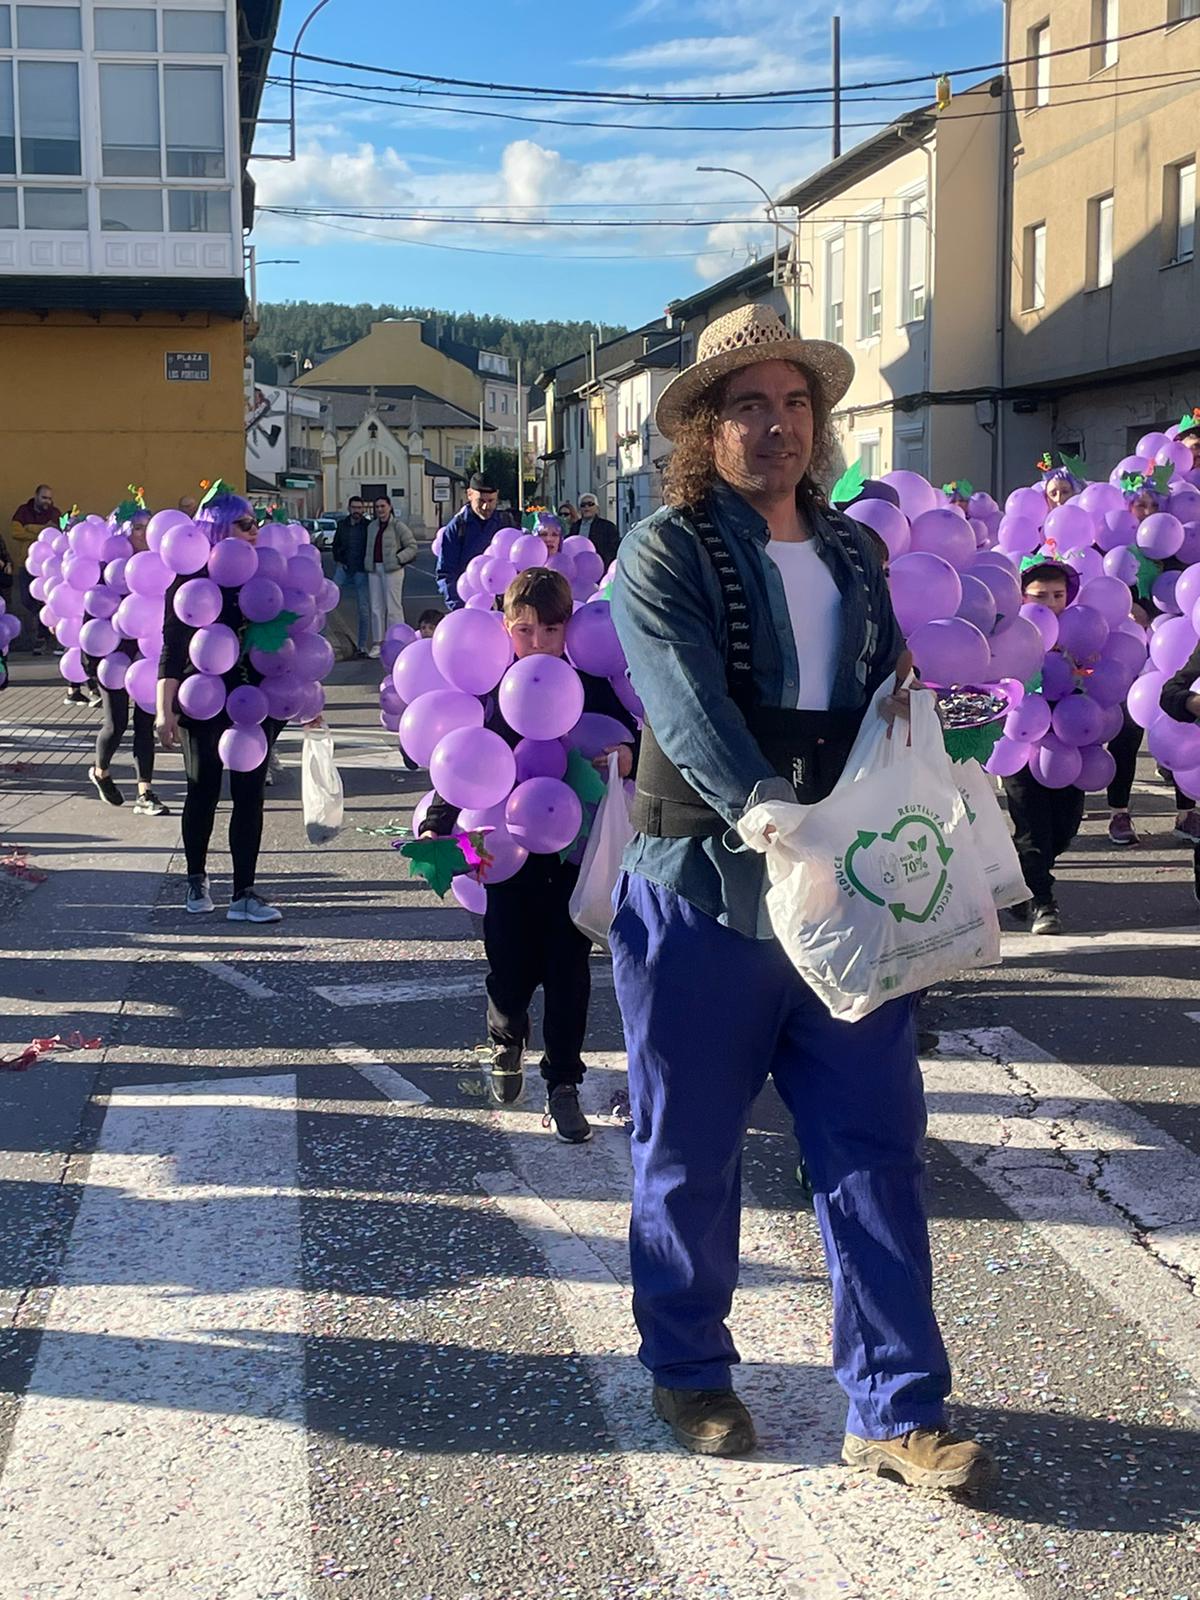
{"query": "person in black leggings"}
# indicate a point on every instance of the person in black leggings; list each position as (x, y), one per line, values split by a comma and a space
(229, 516)
(116, 720)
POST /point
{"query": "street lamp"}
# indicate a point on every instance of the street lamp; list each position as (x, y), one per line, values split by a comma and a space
(278, 262)
(793, 235)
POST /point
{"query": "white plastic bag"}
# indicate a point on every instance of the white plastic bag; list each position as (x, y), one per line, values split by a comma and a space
(877, 891)
(320, 787)
(990, 836)
(591, 904)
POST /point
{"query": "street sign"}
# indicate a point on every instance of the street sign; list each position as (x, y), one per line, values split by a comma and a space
(441, 491)
(187, 366)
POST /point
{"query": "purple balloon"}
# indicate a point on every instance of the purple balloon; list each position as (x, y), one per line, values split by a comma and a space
(201, 696)
(71, 666)
(592, 642)
(888, 521)
(471, 650)
(1078, 720)
(1162, 592)
(101, 601)
(1087, 562)
(1007, 758)
(427, 721)
(285, 696)
(97, 637)
(1028, 722)
(497, 573)
(81, 572)
(470, 893)
(260, 599)
(184, 548)
(111, 671)
(146, 574)
(1097, 769)
(1189, 551)
(540, 758)
(214, 649)
(1016, 653)
(543, 815)
(1058, 676)
(304, 573)
(472, 767)
(1174, 745)
(198, 602)
(1069, 526)
(978, 604)
(1099, 498)
(528, 551)
(1028, 503)
(541, 697)
(949, 650)
(415, 672)
(312, 655)
(1044, 620)
(1019, 535)
(1108, 682)
(1130, 650)
(1172, 644)
(137, 614)
(1116, 529)
(67, 630)
(1001, 578)
(1160, 535)
(1121, 563)
(627, 695)
(1107, 595)
(242, 749)
(1081, 632)
(159, 523)
(271, 663)
(114, 576)
(589, 568)
(400, 633)
(924, 587)
(508, 857)
(1055, 764)
(247, 705)
(915, 493)
(595, 732)
(141, 684)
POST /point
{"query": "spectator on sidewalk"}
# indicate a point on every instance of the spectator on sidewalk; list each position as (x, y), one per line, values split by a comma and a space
(350, 566)
(598, 529)
(28, 520)
(468, 534)
(390, 546)
(188, 504)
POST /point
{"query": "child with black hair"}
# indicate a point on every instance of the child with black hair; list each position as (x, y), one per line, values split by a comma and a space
(428, 620)
(528, 934)
(1044, 820)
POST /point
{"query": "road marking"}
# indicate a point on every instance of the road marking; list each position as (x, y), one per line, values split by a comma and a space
(1192, 1016)
(1026, 944)
(168, 1388)
(1116, 1197)
(386, 1079)
(438, 986)
(230, 975)
(789, 1521)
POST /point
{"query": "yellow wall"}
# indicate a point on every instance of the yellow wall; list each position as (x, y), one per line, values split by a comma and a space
(392, 354)
(85, 406)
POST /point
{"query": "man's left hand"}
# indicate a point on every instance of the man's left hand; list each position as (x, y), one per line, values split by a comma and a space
(624, 760)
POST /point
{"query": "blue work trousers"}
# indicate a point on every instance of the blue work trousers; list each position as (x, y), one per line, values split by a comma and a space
(359, 583)
(708, 1014)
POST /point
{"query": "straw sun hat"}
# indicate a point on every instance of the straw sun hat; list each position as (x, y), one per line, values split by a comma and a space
(742, 338)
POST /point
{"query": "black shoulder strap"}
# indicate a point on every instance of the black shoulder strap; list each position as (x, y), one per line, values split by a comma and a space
(739, 670)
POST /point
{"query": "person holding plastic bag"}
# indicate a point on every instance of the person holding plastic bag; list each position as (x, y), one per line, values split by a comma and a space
(758, 630)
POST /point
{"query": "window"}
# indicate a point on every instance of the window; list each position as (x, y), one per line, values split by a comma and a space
(1100, 242)
(1182, 10)
(199, 211)
(491, 399)
(49, 92)
(909, 450)
(5, 29)
(1038, 50)
(462, 454)
(871, 320)
(8, 126)
(912, 260)
(194, 33)
(122, 28)
(129, 131)
(1179, 211)
(504, 404)
(1034, 285)
(835, 288)
(8, 208)
(868, 454)
(49, 28)
(131, 210)
(62, 210)
(195, 121)
(1106, 27)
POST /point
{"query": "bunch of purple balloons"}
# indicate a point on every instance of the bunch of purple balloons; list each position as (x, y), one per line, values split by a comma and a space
(82, 578)
(512, 550)
(10, 626)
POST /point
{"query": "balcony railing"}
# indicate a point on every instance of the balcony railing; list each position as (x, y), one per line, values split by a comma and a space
(302, 459)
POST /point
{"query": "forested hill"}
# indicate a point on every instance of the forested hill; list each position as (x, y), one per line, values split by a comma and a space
(309, 327)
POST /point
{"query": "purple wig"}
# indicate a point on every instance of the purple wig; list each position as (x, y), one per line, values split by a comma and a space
(1146, 487)
(219, 514)
(1075, 484)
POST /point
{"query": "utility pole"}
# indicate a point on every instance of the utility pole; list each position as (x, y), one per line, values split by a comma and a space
(837, 86)
(482, 468)
(520, 440)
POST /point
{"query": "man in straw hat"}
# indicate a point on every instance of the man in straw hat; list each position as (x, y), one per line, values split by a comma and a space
(757, 626)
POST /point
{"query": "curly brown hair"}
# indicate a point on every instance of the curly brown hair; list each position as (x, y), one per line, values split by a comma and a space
(691, 469)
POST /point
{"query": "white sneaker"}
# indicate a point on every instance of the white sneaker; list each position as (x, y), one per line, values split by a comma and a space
(251, 907)
(198, 898)
(373, 653)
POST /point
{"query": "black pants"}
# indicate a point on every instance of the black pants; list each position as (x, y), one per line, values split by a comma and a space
(530, 940)
(1124, 751)
(202, 765)
(112, 731)
(1044, 823)
(38, 632)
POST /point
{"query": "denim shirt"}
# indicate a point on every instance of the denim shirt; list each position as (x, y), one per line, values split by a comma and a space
(670, 618)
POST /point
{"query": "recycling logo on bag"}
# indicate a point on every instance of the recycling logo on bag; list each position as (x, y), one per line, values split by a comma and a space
(902, 869)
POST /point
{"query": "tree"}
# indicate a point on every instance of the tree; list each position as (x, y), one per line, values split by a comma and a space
(501, 468)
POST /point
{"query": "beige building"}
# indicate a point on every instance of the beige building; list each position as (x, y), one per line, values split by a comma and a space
(898, 242)
(1103, 313)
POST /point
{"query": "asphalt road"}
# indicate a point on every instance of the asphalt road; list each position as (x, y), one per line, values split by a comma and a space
(288, 1312)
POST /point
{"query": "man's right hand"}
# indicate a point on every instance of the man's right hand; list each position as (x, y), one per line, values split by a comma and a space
(167, 729)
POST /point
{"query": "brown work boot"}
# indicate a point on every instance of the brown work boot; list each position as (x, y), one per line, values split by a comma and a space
(708, 1422)
(926, 1458)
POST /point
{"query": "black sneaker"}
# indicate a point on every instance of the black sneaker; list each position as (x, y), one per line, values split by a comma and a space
(1020, 912)
(1046, 918)
(148, 804)
(563, 1110)
(74, 695)
(198, 898)
(505, 1076)
(106, 788)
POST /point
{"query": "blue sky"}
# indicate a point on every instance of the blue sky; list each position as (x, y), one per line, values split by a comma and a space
(358, 155)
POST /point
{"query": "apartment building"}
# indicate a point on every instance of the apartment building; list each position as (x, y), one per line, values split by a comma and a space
(124, 134)
(1103, 328)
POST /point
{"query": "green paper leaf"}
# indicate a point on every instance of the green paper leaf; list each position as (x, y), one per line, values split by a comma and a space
(584, 779)
(438, 861)
(1074, 465)
(849, 485)
(269, 637)
(217, 487)
(1161, 478)
(1131, 482)
(1147, 572)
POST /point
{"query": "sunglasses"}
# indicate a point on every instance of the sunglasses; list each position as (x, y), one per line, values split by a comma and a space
(246, 522)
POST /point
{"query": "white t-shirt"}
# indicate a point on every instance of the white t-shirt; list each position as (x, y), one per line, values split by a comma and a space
(814, 604)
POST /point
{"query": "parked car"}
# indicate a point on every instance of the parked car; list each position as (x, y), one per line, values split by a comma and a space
(322, 530)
